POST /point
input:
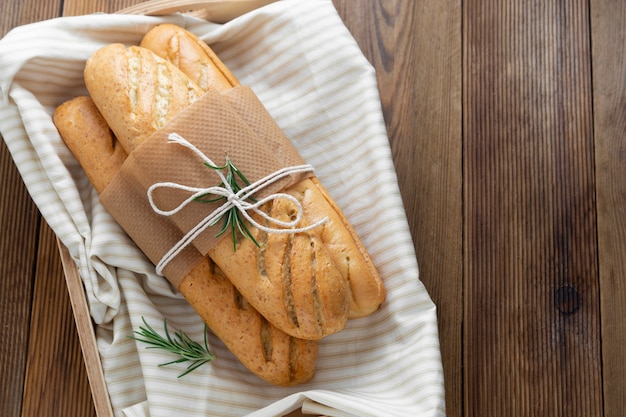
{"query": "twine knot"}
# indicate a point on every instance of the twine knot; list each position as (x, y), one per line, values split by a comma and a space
(239, 200)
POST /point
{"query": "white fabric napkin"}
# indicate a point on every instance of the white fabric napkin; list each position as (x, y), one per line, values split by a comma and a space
(309, 72)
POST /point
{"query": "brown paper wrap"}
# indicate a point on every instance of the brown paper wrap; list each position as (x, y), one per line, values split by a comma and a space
(234, 123)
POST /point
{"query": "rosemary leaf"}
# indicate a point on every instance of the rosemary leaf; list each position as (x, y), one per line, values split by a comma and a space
(181, 345)
(231, 220)
(243, 229)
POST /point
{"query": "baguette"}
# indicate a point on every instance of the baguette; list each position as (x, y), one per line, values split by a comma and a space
(202, 65)
(298, 289)
(192, 56)
(92, 141)
(136, 92)
(268, 352)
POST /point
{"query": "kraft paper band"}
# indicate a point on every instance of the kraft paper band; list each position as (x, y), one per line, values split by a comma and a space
(234, 123)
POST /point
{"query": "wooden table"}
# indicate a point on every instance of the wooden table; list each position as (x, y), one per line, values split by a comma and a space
(507, 122)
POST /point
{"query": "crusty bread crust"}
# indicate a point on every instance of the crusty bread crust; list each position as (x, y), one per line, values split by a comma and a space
(136, 91)
(289, 278)
(264, 349)
(92, 142)
(187, 52)
(349, 255)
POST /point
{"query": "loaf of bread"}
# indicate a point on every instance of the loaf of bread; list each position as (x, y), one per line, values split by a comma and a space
(136, 92)
(297, 287)
(90, 140)
(201, 64)
(192, 56)
(268, 352)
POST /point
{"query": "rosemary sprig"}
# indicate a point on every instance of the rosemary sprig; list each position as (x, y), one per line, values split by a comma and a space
(181, 345)
(231, 220)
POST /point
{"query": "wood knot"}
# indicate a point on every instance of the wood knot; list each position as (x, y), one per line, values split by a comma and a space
(566, 299)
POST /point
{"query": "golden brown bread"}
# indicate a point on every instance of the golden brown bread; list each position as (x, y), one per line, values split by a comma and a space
(264, 349)
(93, 143)
(291, 277)
(136, 91)
(197, 60)
(349, 255)
(309, 304)
(191, 55)
(268, 352)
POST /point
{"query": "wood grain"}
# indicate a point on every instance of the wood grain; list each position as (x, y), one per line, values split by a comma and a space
(532, 328)
(27, 11)
(609, 91)
(56, 380)
(19, 222)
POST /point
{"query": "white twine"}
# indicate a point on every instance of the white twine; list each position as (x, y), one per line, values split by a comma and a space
(238, 200)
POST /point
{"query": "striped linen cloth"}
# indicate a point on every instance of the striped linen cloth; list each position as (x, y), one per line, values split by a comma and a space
(307, 69)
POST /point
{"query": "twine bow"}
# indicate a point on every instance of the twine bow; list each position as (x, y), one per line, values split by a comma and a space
(238, 200)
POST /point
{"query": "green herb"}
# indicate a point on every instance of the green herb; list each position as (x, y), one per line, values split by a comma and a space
(181, 345)
(232, 219)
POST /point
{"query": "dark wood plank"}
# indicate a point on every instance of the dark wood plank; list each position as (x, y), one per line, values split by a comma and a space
(17, 13)
(19, 220)
(56, 381)
(419, 78)
(608, 22)
(532, 322)
(42, 370)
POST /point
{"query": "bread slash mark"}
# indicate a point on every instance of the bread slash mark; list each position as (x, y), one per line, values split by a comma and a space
(192, 94)
(162, 95)
(317, 302)
(287, 282)
(261, 250)
(134, 69)
(293, 359)
(239, 300)
(266, 339)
